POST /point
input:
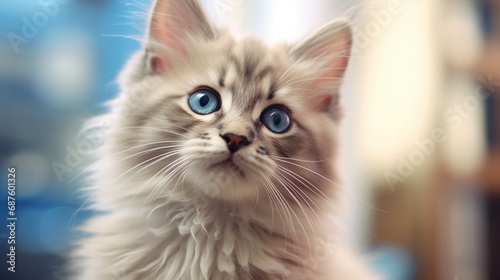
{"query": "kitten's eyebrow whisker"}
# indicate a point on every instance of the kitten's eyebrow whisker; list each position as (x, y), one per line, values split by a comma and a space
(315, 79)
(295, 78)
(312, 74)
(303, 90)
(285, 73)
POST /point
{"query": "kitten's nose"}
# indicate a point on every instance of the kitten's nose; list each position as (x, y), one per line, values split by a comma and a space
(235, 142)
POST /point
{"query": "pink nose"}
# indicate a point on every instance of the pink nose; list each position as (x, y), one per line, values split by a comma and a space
(235, 142)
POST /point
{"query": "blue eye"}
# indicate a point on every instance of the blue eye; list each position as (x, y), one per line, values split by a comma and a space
(204, 101)
(276, 119)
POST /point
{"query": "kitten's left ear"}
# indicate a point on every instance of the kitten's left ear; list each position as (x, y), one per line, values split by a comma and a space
(330, 49)
(172, 24)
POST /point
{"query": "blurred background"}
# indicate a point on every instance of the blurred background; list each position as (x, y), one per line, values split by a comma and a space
(421, 147)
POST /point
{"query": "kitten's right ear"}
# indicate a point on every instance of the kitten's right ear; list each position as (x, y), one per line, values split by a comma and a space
(329, 48)
(172, 24)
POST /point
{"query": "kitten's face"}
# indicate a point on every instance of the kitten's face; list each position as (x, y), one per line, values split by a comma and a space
(255, 107)
(230, 113)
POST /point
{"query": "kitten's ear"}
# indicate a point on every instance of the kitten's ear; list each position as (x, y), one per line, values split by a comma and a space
(329, 48)
(172, 24)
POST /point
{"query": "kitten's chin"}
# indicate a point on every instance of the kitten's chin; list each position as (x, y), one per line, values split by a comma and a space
(226, 181)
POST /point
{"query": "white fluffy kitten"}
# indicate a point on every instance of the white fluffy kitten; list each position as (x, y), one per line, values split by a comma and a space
(218, 164)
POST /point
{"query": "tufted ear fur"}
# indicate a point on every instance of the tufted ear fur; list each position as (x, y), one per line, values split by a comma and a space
(329, 48)
(173, 23)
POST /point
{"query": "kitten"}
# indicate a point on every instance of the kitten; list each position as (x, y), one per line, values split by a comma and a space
(218, 163)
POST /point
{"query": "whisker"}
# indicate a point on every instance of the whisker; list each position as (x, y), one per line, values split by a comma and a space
(285, 206)
(150, 128)
(266, 189)
(169, 154)
(304, 197)
(304, 160)
(178, 166)
(301, 193)
(136, 154)
(121, 152)
(308, 169)
(301, 179)
(330, 181)
(164, 156)
(293, 212)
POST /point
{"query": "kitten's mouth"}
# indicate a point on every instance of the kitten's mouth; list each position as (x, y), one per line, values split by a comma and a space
(229, 165)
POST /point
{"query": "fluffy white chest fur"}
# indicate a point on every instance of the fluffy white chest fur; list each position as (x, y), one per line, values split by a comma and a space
(219, 158)
(185, 241)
